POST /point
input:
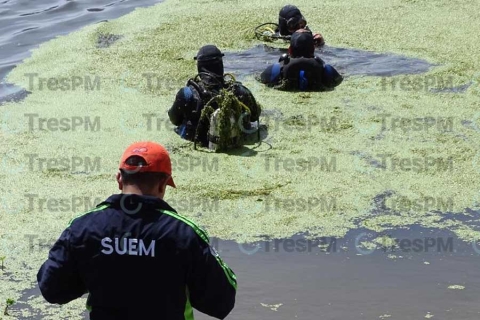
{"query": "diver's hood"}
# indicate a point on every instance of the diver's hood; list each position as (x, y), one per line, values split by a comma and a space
(210, 59)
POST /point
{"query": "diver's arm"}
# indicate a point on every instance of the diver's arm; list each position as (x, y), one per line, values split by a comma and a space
(247, 98)
(177, 110)
(317, 37)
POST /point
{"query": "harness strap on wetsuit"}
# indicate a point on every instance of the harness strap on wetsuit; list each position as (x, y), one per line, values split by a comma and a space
(200, 90)
(303, 81)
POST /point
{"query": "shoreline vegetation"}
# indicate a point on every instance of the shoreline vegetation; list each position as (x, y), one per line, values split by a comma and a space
(304, 178)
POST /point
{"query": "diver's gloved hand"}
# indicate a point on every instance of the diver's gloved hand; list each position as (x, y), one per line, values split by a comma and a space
(318, 39)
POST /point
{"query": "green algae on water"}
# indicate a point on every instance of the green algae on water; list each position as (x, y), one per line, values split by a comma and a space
(456, 287)
(310, 174)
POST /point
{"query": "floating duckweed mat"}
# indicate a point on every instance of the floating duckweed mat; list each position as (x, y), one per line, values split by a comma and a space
(320, 167)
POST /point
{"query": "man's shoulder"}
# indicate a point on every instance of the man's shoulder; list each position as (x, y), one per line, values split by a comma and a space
(86, 215)
(189, 224)
(100, 216)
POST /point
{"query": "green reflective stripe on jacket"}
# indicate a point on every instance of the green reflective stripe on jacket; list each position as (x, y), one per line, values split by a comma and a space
(89, 308)
(203, 234)
(103, 206)
(188, 314)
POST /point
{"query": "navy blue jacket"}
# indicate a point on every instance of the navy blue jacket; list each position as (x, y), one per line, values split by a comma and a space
(138, 259)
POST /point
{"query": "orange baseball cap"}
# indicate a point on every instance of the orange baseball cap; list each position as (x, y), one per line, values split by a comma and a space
(154, 154)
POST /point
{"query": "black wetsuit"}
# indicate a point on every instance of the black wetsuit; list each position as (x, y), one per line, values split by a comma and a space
(301, 74)
(191, 99)
(289, 14)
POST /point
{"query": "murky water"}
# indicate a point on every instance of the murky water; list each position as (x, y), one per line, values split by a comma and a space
(346, 61)
(253, 61)
(342, 285)
(287, 279)
(25, 24)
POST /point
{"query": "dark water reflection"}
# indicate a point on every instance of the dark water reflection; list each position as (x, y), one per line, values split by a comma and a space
(25, 24)
(346, 61)
(339, 280)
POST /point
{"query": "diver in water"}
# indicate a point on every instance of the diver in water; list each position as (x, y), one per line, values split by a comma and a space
(186, 110)
(290, 19)
(301, 69)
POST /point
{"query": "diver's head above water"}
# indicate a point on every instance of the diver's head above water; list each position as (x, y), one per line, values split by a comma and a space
(302, 44)
(210, 60)
(290, 19)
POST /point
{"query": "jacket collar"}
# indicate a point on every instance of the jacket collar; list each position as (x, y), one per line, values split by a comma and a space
(134, 200)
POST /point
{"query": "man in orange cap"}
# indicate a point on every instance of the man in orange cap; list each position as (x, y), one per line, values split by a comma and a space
(135, 256)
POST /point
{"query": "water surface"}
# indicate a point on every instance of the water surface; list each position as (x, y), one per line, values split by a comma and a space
(25, 24)
(283, 280)
(346, 61)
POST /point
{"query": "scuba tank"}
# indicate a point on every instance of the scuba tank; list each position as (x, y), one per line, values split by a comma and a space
(214, 131)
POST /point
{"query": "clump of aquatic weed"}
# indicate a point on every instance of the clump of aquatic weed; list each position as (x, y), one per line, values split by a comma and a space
(9, 303)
